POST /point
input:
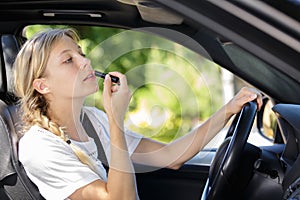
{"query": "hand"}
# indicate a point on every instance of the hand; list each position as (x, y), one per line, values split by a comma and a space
(116, 97)
(242, 97)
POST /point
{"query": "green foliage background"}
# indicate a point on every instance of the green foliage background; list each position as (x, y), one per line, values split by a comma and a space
(174, 89)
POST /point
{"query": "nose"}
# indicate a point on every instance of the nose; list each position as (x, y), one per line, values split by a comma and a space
(86, 63)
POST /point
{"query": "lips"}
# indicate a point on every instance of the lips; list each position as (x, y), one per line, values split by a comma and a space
(91, 75)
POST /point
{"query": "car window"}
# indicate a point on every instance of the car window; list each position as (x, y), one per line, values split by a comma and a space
(174, 89)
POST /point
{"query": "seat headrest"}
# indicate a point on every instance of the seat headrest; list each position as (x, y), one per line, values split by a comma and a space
(10, 48)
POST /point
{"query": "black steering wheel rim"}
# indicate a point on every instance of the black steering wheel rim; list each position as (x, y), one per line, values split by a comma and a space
(230, 152)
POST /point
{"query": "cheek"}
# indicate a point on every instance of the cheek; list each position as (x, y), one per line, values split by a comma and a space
(65, 80)
(71, 75)
(71, 81)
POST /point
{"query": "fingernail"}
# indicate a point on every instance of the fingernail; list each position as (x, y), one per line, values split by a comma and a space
(253, 96)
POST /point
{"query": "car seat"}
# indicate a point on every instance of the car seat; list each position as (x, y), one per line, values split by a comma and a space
(14, 183)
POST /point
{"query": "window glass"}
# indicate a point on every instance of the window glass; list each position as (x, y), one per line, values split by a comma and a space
(174, 89)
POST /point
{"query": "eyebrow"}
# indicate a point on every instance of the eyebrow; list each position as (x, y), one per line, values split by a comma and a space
(64, 51)
(67, 50)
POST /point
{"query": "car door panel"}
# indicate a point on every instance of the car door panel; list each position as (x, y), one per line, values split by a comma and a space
(185, 183)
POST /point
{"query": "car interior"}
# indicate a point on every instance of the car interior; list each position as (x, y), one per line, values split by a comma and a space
(239, 170)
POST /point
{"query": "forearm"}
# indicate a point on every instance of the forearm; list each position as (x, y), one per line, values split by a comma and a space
(174, 154)
(189, 145)
(121, 180)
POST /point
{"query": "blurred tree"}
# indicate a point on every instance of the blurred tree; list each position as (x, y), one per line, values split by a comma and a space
(174, 88)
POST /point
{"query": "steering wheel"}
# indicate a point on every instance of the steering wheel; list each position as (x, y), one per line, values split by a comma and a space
(222, 173)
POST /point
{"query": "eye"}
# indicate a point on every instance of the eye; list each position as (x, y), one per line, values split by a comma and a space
(82, 54)
(69, 60)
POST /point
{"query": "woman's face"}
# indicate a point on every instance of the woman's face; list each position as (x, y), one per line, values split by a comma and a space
(68, 73)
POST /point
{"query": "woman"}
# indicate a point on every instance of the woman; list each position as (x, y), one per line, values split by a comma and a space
(52, 79)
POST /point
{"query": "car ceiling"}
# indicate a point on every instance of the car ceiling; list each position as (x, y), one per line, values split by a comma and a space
(211, 23)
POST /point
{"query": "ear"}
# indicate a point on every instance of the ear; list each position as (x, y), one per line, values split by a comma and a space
(40, 85)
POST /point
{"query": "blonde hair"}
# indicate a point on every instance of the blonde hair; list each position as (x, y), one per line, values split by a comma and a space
(30, 64)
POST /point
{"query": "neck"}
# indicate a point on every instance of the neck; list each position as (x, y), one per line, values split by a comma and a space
(67, 114)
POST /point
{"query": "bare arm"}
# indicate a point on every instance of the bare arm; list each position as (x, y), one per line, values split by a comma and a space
(174, 154)
(121, 180)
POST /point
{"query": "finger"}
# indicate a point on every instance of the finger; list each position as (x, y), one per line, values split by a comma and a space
(242, 100)
(114, 88)
(258, 98)
(259, 102)
(122, 78)
(107, 86)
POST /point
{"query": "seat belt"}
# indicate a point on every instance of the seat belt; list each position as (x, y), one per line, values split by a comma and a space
(90, 130)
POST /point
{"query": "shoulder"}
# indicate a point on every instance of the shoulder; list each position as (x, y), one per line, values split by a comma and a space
(39, 137)
(38, 142)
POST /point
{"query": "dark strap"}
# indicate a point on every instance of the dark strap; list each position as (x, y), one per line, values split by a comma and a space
(90, 129)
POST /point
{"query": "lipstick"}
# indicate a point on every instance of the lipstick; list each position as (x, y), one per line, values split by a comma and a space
(114, 79)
